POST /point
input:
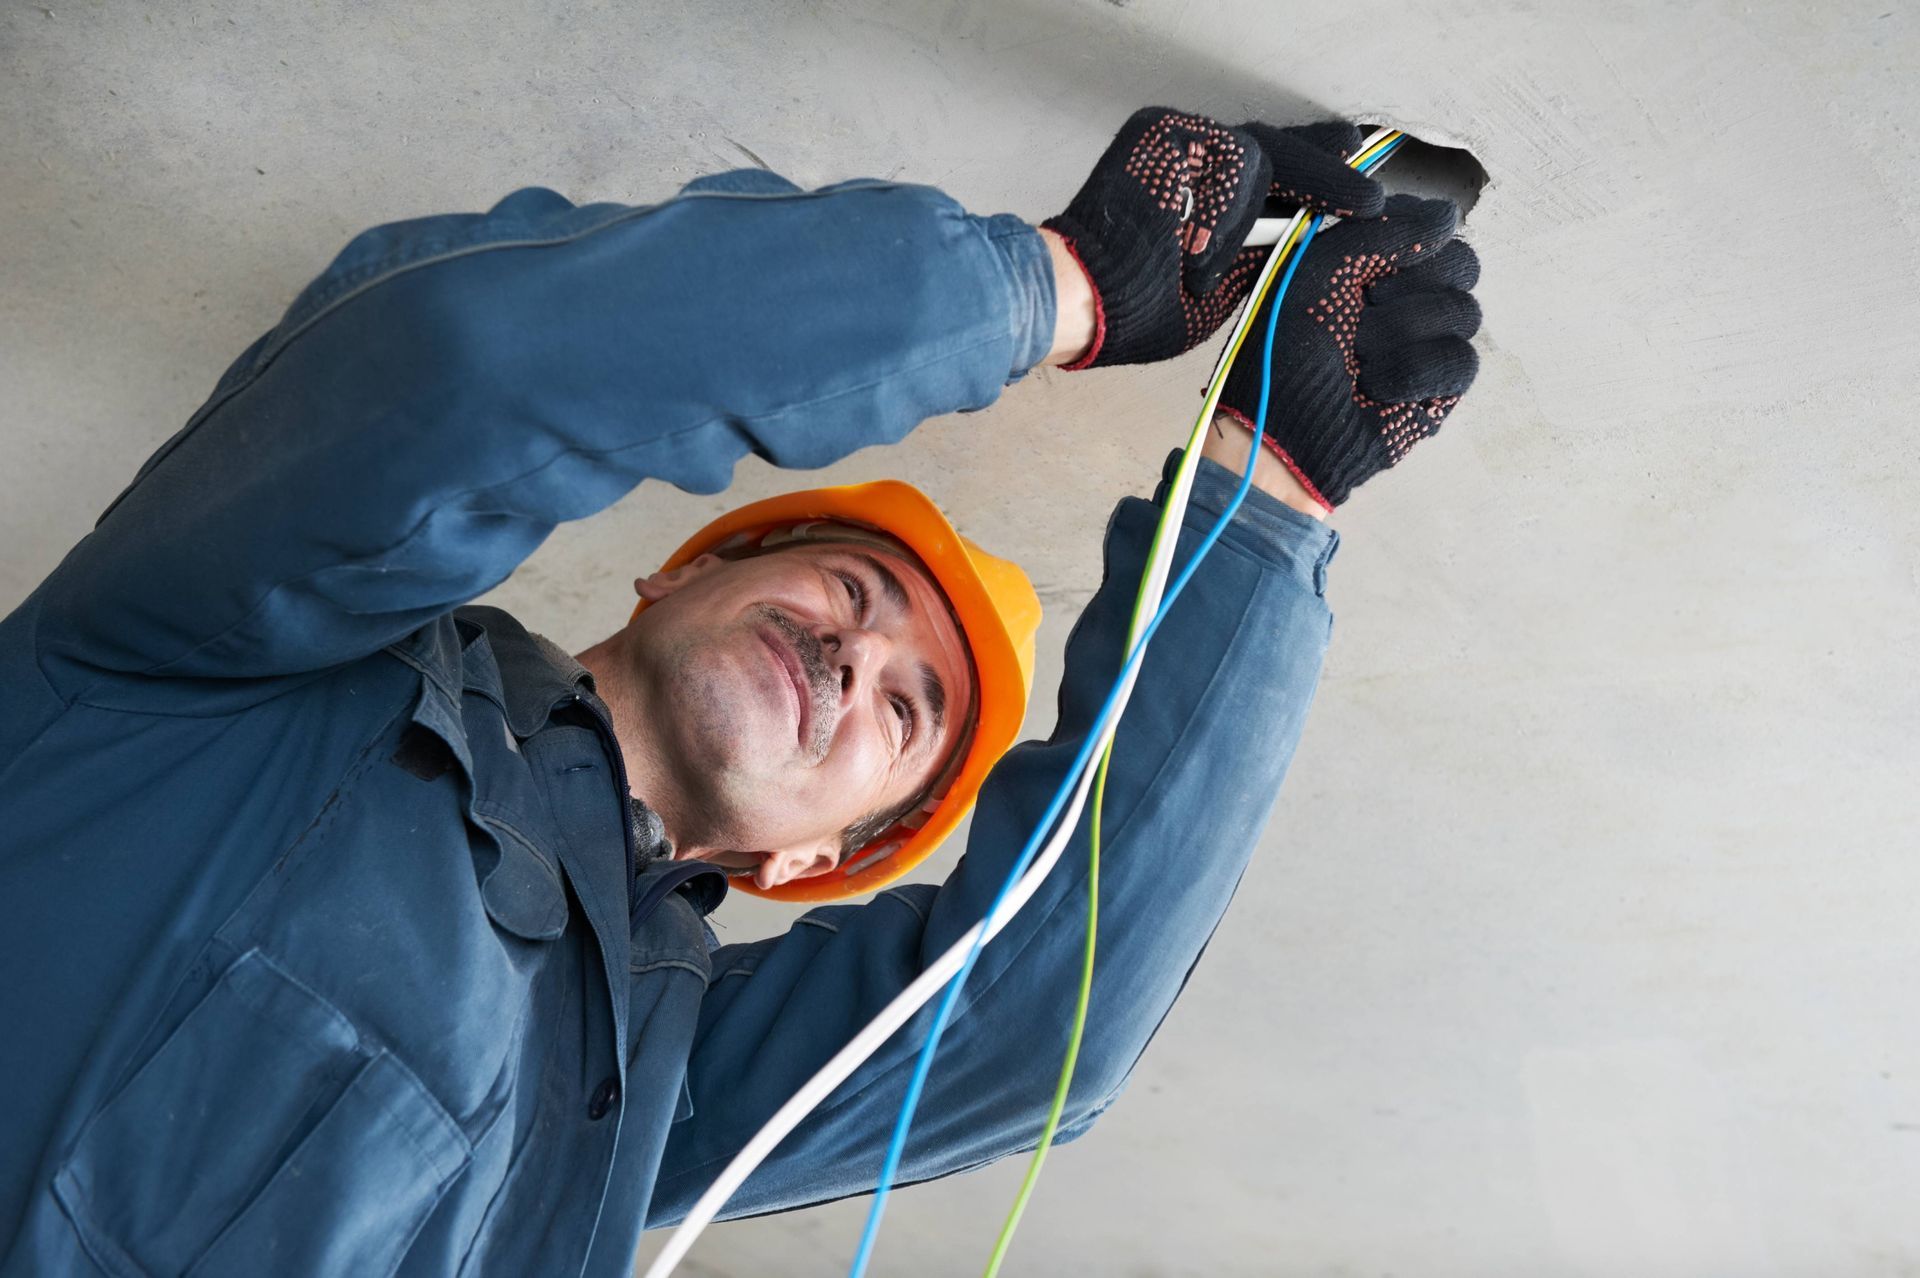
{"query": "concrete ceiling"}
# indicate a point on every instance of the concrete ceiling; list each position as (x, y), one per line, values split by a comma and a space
(1582, 941)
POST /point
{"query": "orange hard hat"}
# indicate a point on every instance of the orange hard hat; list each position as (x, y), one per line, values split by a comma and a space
(997, 610)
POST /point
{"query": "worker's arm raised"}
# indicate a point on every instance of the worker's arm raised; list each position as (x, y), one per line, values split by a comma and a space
(1197, 764)
(452, 388)
(1374, 356)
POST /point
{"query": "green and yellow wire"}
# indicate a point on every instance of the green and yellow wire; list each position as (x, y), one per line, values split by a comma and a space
(1376, 149)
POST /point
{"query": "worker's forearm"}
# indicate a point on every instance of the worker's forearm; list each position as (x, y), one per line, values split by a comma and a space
(1201, 751)
(451, 388)
(1228, 441)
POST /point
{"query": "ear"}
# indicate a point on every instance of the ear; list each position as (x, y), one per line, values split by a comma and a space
(792, 864)
(661, 584)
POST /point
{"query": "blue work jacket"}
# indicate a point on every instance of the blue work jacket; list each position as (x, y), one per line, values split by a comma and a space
(328, 938)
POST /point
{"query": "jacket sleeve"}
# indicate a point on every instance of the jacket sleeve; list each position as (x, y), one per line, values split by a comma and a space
(453, 387)
(1197, 764)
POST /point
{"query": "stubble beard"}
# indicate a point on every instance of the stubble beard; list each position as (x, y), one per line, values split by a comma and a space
(722, 764)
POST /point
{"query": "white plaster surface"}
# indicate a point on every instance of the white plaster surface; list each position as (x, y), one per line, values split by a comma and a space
(1585, 940)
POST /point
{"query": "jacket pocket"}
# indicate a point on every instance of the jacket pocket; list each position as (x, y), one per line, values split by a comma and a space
(264, 1136)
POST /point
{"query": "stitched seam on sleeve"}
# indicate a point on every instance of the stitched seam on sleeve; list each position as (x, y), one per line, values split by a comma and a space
(655, 965)
(374, 274)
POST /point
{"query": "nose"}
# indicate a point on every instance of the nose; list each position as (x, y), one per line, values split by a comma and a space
(856, 658)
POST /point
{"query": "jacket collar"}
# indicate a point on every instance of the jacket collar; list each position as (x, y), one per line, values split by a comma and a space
(529, 674)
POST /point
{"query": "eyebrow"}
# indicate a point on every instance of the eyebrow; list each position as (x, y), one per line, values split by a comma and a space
(935, 694)
(889, 582)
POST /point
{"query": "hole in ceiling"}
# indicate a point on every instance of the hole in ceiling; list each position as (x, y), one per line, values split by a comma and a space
(1425, 169)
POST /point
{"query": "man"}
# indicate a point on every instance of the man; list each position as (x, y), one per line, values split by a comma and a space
(350, 930)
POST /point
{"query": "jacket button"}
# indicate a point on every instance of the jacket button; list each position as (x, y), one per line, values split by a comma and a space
(602, 1099)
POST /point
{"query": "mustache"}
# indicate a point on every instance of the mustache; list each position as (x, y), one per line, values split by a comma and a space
(821, 685)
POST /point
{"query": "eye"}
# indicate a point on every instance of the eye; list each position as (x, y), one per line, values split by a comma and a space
(904, 710)
(856, 591)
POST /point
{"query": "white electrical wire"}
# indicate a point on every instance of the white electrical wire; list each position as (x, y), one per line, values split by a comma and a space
(910, 1000)
(1269, 230)
(917, 994)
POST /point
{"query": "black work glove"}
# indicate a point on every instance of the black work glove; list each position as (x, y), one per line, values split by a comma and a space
(1371, 353)
(1160, 224)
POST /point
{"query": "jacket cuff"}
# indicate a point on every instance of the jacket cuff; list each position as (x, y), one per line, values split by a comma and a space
(1033, 305)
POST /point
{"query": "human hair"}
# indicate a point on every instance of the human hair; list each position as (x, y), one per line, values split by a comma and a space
(874, 824)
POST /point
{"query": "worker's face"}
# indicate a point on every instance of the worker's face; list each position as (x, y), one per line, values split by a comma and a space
(802, 691)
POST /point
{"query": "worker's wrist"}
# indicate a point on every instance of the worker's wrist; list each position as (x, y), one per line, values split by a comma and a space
(1263, 527)
(1076, 314)
(1228, 442)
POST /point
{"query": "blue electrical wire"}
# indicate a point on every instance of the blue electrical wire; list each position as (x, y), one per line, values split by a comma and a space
(897, 1146)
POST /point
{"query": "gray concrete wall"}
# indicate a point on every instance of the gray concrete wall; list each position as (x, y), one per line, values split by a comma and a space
(1584, 940)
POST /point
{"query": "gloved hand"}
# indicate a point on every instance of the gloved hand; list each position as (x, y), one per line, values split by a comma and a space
(1160, 224)
(1371, 353)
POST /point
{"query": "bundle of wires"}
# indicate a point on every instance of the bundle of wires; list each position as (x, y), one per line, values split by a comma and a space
(1062, 817)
